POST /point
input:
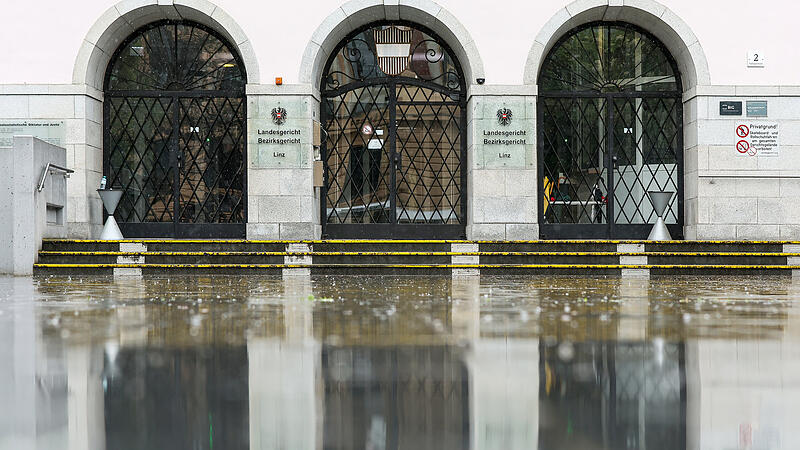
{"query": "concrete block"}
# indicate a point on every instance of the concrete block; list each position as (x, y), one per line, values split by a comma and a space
(521, 183)
(263, 182)
(522, 231)
(690, 232)
(51, 107)
(464, 247)
(253, 202)
(633, 260)
(263, 231)
(280, 209)
(724, 157)
(14, 107)
(716, 187)
(712, 232)
(758, 232)
(630, 248)
(303, 230)
(764, 187)
(464, 260)
(486, 231)
(791, 233)
(488, 183)
(731, 210)
(296, 182)
(505, 209)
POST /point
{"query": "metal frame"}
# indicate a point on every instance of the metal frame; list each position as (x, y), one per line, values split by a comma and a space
(394, 229)
(610, 229)
(176, 228)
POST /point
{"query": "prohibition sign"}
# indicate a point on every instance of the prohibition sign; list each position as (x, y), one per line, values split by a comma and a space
(742, 131)
(742, 146)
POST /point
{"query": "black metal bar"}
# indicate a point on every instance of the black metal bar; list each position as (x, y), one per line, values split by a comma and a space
(176, 157)
(393, 155)
(610, 156)
(594, 94)
(395, 231)
(169, 93)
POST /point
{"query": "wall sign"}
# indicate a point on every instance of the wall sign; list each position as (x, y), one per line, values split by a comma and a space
(755, 58)
(505, 147)
(730, 108)
(277, 144)
(50, 131)
(756, 108)
(757, 139)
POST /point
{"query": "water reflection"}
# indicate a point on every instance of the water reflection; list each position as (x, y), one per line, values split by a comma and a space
(385, 363)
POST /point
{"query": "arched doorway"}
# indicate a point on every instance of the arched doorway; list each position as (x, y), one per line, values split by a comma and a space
(610, 129)
(394, 109)
(174, 132)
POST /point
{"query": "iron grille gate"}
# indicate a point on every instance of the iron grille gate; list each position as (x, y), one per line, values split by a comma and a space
(394, 108)
(598, 158)
(404, 176)
(610, 129)
(174, 133)
(183, 170)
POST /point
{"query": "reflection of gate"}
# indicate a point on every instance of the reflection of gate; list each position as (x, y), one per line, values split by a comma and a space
(395, 153)
(175, 133)
(610, 130)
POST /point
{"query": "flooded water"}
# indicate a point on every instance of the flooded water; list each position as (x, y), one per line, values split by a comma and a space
(391, 363)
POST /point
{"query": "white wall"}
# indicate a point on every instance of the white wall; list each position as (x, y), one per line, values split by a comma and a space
(45, 37)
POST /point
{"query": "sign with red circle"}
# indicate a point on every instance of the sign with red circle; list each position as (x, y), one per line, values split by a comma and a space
(366, 129)
(742, 131)
(742, 146)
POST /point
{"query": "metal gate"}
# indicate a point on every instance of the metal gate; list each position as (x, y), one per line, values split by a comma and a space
(609, 130)
(174, 139)
(395, 151)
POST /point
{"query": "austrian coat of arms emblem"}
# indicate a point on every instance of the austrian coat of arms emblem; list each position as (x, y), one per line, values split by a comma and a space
(278, 115)
(504, 116)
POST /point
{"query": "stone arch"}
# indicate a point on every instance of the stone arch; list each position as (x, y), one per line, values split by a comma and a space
(124, 18)
(650, 15)
(357, 13)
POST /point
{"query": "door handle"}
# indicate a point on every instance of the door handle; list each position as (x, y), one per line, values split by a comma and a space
(398, 161)
(614, 161)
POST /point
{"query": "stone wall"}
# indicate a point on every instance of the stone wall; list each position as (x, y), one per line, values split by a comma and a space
(81, 110)
(730, 195)
(280, 192)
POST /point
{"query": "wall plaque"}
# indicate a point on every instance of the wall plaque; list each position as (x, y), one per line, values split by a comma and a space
(50, 131)
(730, 108)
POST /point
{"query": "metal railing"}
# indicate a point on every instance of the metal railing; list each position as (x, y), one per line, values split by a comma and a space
(50, 167)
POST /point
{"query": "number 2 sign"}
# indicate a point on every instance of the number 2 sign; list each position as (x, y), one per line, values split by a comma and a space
(755, 59)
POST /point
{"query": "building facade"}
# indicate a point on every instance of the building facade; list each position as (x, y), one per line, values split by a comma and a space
(414, 119)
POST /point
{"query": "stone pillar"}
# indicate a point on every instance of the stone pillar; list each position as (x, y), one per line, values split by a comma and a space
(502, 184)
(281, 201)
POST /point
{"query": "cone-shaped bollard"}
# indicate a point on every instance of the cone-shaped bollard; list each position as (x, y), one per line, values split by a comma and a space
(110, 199)
(660, 201)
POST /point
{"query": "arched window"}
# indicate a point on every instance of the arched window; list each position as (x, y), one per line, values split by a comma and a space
(610, 131)
(175, 132)
(394, 108)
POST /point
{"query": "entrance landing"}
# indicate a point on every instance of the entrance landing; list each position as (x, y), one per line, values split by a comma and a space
(146, 257)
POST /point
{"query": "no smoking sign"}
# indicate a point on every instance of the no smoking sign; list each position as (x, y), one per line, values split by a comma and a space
(757, 138)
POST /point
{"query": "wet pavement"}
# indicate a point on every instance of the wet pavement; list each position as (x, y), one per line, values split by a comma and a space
(388, 363)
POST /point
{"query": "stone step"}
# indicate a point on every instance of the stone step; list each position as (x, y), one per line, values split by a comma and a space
(360, 257)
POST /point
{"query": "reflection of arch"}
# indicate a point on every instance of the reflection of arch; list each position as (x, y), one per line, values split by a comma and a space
(650, 15)
(357, 13)
(124, 18)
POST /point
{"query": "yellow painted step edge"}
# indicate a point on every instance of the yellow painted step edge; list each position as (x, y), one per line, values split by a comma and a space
(408, 241)
(210, 253)
(424, 266)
